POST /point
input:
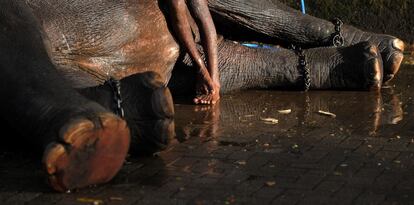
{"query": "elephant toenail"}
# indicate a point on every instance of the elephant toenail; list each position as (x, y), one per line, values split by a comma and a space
(398, 44)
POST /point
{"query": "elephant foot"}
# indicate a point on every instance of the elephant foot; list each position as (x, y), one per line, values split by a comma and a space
(162, 127)
(149, 111)
(354, 67)
(390, 47)
(87, 153)
(151, 133)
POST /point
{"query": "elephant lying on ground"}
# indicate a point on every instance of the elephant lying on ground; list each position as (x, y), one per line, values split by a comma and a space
(66, 67)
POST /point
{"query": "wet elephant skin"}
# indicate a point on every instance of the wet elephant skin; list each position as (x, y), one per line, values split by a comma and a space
(60, 46)
(106, 39)
(89, 50)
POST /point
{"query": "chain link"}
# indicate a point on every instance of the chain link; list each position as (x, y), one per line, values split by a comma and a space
(338, 39)
(117, 98)
(303, 66)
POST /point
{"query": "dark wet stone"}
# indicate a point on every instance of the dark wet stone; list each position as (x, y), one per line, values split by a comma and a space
(229, 154)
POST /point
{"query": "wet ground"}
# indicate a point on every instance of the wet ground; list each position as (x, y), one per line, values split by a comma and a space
(259, 147)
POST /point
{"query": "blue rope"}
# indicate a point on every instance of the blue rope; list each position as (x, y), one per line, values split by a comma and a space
(303, 6)
(260, 46)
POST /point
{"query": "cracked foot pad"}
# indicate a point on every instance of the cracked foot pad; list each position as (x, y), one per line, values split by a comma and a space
(90, 153)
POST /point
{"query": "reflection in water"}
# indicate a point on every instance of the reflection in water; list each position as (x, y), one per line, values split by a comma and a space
(240, 115)
(199, 121)
(393, 108)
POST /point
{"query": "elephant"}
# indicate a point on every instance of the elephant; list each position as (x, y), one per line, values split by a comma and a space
(88, 79)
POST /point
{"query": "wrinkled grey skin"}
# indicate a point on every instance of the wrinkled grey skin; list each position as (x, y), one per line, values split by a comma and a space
(63, 45)
(57, 56)
(271, 21)
(333, 68)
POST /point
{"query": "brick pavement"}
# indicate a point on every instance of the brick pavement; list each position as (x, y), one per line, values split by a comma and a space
(230, 155)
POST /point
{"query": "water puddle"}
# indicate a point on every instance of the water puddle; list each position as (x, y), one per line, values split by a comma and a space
(262, 119)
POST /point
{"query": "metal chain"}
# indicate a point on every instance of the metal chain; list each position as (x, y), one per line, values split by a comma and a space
(338, 39)
(117, 98)
(303, 66)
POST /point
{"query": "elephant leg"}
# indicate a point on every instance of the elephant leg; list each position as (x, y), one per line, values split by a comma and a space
(83, 143)
(352, 68)
(278, 21)
(207, 77)
(148, 106)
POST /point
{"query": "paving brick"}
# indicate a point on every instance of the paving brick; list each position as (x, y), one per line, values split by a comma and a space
(250, 186)
(269, 192)
(329, 187)
(234, 177)
(316, 199)
(288, 172)
(187, 193)
(307, 182)
(350, 144)
(48, 197)
(333, 163)
(241, 155)
(285, 201)
(347, 195)
(21, 198)
(370, 199)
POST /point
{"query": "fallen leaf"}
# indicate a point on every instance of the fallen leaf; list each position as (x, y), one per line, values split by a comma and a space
(288, 111)
(270, 183)
(270, 120)
(90, 200)
(241, 162)
(326, 113)
(116, 198)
